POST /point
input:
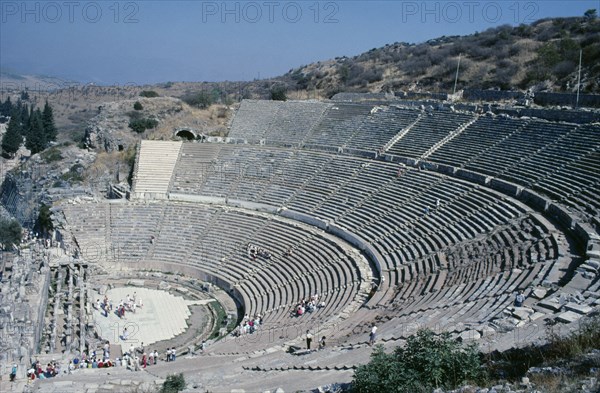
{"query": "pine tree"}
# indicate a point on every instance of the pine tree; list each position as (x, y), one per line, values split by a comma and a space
(49, 126)
(6, 108)
(12, 139)
(24, 117)
(36, 138)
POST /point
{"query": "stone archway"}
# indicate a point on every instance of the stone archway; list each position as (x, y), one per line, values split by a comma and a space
(189, 134)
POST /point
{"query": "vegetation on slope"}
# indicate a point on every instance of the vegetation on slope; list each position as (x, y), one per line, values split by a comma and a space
(427, 362)
(543, 55)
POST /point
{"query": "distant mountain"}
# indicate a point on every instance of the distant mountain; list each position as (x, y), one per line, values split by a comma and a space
(542, 56)
(15, 81)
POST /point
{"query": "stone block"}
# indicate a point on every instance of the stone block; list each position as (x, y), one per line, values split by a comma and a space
(578, 308)
(536, 315)
(539, 293)
(487, 331)
(468, 335)
(568, 317)
(521, 314)
(550, 305)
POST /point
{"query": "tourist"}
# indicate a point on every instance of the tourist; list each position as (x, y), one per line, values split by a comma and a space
(519, 299)
(322, 343)
(373, 335)
(168, 354)
(13, 372)
(173, 354)
(151, 358)
(308, 339)
(125, 334)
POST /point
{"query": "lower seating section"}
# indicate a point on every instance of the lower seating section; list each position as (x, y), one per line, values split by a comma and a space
(178, 235)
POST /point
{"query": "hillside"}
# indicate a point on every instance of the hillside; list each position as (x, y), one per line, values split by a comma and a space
(543, 56)
(14, 80)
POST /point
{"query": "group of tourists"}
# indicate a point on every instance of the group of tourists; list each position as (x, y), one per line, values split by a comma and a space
(255, 251)
(309, 338)
(37, 370)
(129, 304)
(250, 325)
(308, 305)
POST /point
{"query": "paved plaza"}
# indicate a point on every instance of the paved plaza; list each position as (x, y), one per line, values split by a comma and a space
(162, 317)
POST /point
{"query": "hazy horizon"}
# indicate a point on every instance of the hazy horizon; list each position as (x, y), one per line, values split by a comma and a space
(148, 42)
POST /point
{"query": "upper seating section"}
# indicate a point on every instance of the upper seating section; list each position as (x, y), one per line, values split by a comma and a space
(277, 122)
(380, 126)
(429, 130)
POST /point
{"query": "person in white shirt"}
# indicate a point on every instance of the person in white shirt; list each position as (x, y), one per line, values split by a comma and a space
(373, 335)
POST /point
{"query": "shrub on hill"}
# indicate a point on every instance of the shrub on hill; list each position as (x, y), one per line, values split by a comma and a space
(10, 233)
(138, 106)
(427, 362)
(148, 93)
(51, 155)
(200, 99)
(44, 221)
(141, 125)
(173, 384)
(279, 93)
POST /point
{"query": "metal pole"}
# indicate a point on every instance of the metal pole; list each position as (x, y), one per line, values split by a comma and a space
(456, 77)
(579, 79)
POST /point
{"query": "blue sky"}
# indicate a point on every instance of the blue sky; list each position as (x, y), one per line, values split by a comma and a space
(137, 42)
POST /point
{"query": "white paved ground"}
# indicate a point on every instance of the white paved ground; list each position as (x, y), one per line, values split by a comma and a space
(162, 317)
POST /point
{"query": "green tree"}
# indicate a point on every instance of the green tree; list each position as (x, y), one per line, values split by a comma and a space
(6, 109)
(426, 362)
(44, 221)
(141, 125)
(279, 93)
(48, 120)
(590, 14)
(173, 384)
(12, 139)
(138, 106)
(24, 117)
(148, 94)
(36, 137)
(10, 233)
(200, 99)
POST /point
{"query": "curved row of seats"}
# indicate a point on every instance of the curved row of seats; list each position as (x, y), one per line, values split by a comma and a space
(413, 219)
(275, 121)
(556, 159)
(214, 241)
